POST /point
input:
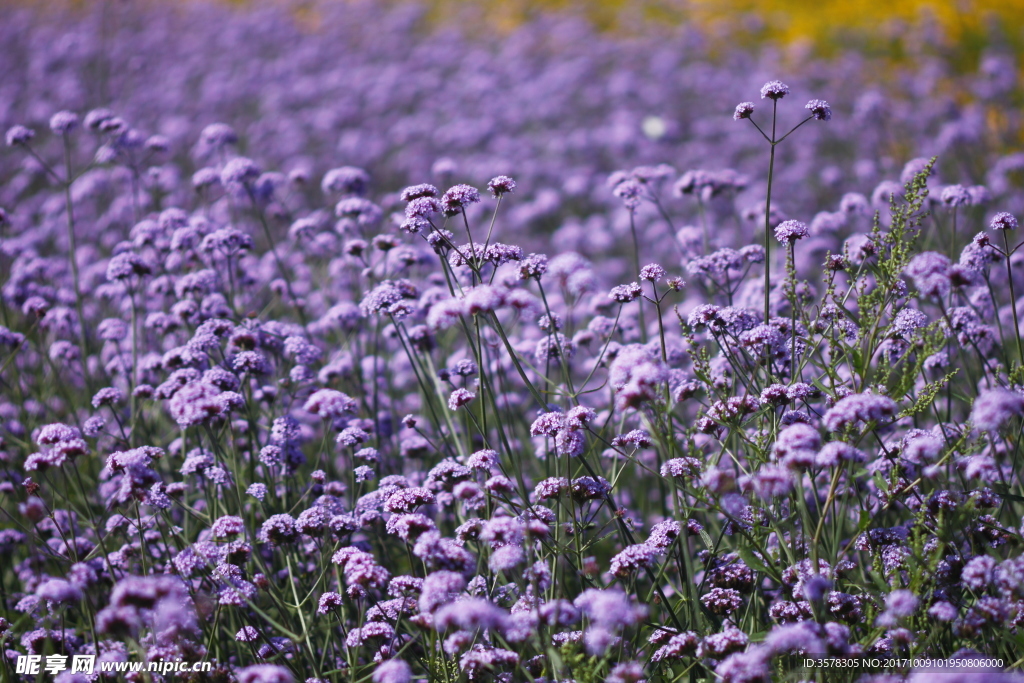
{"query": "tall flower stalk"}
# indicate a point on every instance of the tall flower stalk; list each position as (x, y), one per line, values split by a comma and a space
(819, 110)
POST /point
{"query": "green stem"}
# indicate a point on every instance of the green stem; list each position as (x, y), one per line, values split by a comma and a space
(767, 218)
(1013, 298)
(636, 271)
(73, 260)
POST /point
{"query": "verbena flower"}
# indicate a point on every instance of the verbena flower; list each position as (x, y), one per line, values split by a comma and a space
(820, 110)
(1003, 221)
(63, 122)
(501, 185)
(791, 231)
(995, 407)
(239, 171)
(392, 671)
(774, 90)
(19, 135)
(859, 408)
(743, 111)
(345, 180)
(457, 198)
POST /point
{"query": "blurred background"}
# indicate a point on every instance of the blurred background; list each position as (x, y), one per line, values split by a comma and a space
(558, 94)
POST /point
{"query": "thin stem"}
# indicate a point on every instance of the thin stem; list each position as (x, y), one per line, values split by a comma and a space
(704, 226)
(952, 239)
(794, 366)
(73, 260)
(767, 219)
(1013, 298)
(133, 377)
(277, 257)
(793, 130)
(636, 271)
(490, 228)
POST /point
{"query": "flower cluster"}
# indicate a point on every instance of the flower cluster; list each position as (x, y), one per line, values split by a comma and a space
(277, 413)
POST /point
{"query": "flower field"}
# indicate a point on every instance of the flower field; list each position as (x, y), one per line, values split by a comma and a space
(339, 343)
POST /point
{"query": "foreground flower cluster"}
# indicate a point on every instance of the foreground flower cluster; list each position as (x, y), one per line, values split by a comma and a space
(313, 428)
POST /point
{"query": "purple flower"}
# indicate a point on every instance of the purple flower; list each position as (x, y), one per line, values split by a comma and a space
(329, 601)
(362, 211)
(820, 110)
(345, 180)
(227, 527)
(611, 609)
(533, 266)
(247, 634)
(500, 185)
(929, 271)
(195, 403)
(127, 265)
(239, 171)
(797, 445)
(722, 601)
(107, 396)
(459, 398)
(908, 320)
(995, 407)
(652, 272)
(630, 191)
(56, 433)
(439, 589)
(470, 614)
(416, 191)
(457, 198)
(978, 573)
(752, 666)
(19, 135)
(205, 177)
(681, 468)
(63, 122)
(623, 294)
(955, 195)
(59, 591)
(637, 375)
(390, 297)
(407, 500)
(791, 231)
(278, 529)
(632, 559)
(1003, 221)
(718, 645)
(835, 452)
(771, 481)
(774, 90)
(550, 488)
(626, 672)
(678, 646)
(800, 637)
(743, 111)
(329, 404)
(265, 673)
(861, 408)
(482, 299)
(215, 135)
(392, 671)
(898, 605)
(419, 210)
(942, 611)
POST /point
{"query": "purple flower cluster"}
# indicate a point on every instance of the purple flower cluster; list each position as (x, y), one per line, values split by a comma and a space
(276, 413)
